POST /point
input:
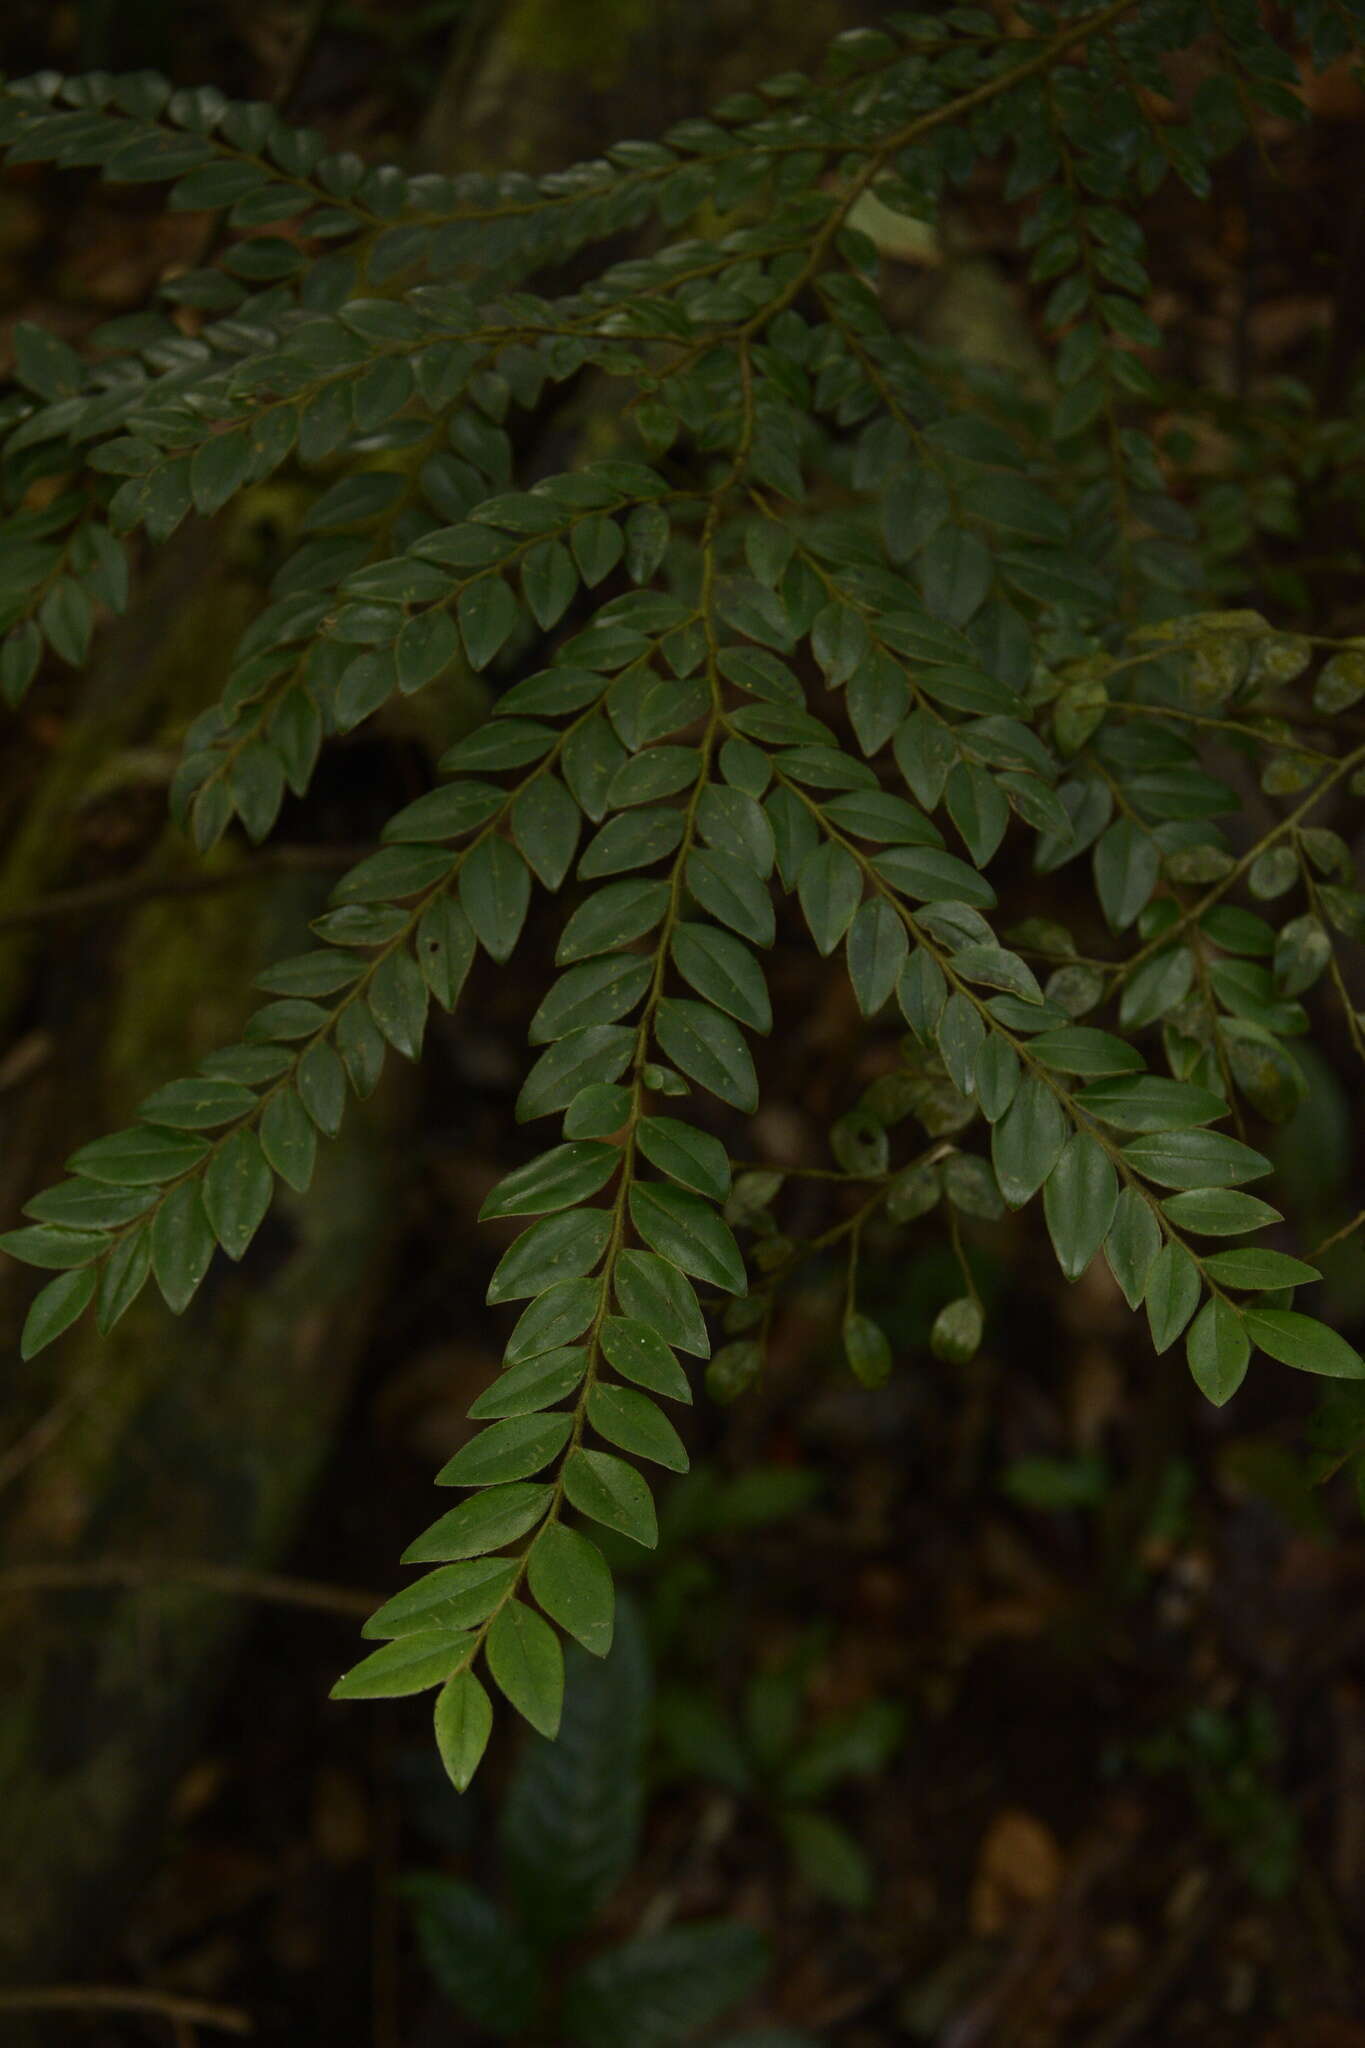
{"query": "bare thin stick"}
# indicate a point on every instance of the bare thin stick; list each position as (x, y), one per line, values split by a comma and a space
(228, 2019)
(218, 1578)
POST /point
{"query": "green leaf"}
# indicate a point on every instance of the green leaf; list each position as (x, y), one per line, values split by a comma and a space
(1219, 1212)
(954, 574)
(685, 1155)
(197, 1105)
(549, 582)
(828, 1859)
(1132, 1245)
(454, 1596)
(397, 997)
(182, 1245)
(596, 992)
(426, 647)
(736, 826)
(961, 1035)
(86, 1205)
(559, 1247)
(733, 895)
(867, 1349)
(611, 917)
(413, 1664)
(1127, 866)
(633, 1423)
(598, 546)
(686, 1230)
(877, 948)
(1194, 1159)
(594, 1054)
(47, 1244)
(1150, 1102)
(536, 1384)
(483, 1523)
(662, 1988)
(124, 1276)
(495, 889)
(464, 1721)
(607, 1490)
(515, 1449)
(598, 1110)
(569, 1820)
(569, 1577)
(922, 992)
(994, 967)
(289, 1139)
(1079, 1049)
(996, 1077)
(321, 1082)
(487, 612)
(1079, 1199)
(55, 1308)
(1172, 1294)
(1303, 1342)
(638, 1353)
(562, 1313)
(930, 876)
(720, 967)
(632, 839)
(141, 1157)
(480, 1961)
(709, 1048)
(545, 826)
(979, 808)
(657, 772)
(829, 888)
(1254, 1267)
(555, 1180)
(1218, 1349)
(1027, 1142)
(527, 1665)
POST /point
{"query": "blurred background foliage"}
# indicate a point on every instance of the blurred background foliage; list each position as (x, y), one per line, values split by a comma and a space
(1073, 1751)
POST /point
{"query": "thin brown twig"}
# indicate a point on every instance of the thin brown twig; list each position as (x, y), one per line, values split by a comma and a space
(235, 1580)
(134, 888)
(168, 2005)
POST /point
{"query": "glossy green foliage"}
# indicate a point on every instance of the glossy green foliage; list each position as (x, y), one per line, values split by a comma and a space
(842, 644)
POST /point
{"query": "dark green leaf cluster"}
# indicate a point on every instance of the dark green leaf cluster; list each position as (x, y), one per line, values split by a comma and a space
(843, 635)
(568, 1832)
